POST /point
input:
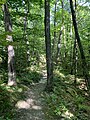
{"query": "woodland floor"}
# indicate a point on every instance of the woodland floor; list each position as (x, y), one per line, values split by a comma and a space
(32, 106)
(28, 101)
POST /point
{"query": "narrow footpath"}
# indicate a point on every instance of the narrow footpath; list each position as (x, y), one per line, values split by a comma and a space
(32, 107)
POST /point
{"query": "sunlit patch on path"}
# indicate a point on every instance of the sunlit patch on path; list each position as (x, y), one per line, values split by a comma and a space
(31, 107)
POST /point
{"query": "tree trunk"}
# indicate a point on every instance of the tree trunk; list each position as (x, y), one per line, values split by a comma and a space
(60, 36)
(25, 35)
(54, 40)
(84, 64)
(48, 46)
(75, 59)
(75, 55)
(59, 45)
(11, 54)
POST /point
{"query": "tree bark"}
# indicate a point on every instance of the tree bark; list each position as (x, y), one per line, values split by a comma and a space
(25, 35)
(60, 36)
(55, 10)
(59, 45)
(84, 64)
(11, 54)
(48, 46)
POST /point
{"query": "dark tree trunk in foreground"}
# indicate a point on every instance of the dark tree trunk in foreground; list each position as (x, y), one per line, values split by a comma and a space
(11, 54)
(84, 64)
(48, 45)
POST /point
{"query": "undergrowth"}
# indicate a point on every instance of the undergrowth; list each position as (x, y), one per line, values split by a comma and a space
(10, 95)
(8, 98)
(68, 102)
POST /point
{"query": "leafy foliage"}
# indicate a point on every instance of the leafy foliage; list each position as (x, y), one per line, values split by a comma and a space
(8, 97)
(66, 101)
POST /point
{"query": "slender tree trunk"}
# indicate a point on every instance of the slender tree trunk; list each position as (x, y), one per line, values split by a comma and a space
(59, 45)
(75, 60)
(65, 47)
(48, 46)
(71, 51)
(11, 54)
(60, 36)
(25, 36)
(84, 64)
(54, 27)
(64, 42)
(75, 53)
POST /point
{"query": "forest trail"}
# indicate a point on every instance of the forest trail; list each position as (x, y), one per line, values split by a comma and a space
(32, 107)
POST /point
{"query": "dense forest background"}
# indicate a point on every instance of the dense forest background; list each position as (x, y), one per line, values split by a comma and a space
(51, 39)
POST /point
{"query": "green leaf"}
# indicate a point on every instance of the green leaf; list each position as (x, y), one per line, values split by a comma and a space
(2, 1)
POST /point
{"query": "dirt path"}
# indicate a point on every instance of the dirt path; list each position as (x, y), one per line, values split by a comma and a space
(31, 108)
